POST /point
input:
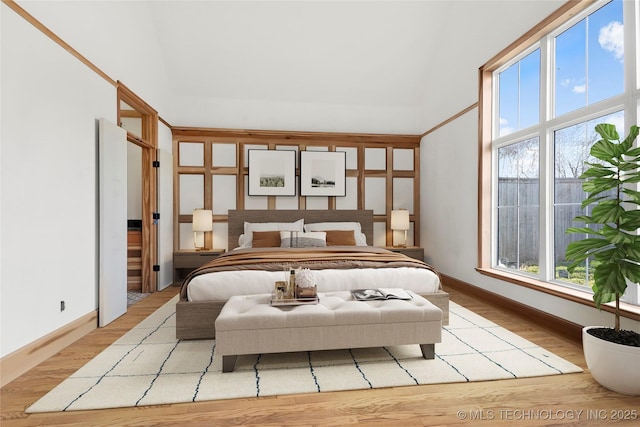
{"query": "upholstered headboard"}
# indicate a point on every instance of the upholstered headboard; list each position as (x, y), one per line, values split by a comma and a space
(237, 219)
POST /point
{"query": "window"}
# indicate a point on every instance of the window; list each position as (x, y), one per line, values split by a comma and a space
(519, 92)
(546, 101)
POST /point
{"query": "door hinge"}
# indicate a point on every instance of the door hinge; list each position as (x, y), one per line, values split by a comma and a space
(156, 215)
(156, 164)
(156, 267)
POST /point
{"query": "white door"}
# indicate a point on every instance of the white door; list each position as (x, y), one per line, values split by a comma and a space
(165, 224)
(112, 222)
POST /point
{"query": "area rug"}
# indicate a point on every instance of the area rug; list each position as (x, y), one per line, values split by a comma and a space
(148, 366)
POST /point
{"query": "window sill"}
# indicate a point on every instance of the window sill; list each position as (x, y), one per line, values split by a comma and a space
(626, 310)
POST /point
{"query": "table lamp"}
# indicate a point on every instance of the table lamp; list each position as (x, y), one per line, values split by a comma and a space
(400, 222)
(202, 221)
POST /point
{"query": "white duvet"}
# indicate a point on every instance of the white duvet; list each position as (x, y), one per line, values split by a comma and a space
(220, 286)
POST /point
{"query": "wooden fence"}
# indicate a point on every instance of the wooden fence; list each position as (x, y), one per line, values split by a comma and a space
(519, 217)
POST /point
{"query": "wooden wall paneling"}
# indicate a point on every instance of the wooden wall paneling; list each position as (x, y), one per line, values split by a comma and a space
(148, 141)
(361, 177)
(389, 195)
(208, 187)
(148, 207)
(299, 141)
(416, 196)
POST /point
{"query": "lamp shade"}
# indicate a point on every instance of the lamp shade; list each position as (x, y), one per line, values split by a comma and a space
(400, 219)
(202, 220)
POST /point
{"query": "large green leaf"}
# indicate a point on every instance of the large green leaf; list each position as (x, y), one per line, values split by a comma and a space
(597, 172)
(634, 131)
(609, 281)
(634, 152)
(604, 150)
(630, 271)
(618, 237)
(631, 221)
(597, 186)
(593, 199)
(632, 251)
(583, 249)
(607, 131)
(607, 212)
(584, 230)
(630, 179)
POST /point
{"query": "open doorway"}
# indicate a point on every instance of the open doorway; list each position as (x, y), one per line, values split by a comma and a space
(140, 121)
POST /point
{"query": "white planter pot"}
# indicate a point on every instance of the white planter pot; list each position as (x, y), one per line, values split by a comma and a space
(614, 366)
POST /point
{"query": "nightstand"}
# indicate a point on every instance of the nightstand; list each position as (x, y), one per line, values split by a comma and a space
(410, 251)
(185, 261)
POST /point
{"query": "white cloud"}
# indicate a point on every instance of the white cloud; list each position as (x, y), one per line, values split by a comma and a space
(579, 88)
(611, 39)
(505, 129)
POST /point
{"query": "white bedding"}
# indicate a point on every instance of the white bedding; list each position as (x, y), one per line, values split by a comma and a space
(220, 286)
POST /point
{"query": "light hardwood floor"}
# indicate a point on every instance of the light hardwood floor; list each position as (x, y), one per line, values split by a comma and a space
(573, 399)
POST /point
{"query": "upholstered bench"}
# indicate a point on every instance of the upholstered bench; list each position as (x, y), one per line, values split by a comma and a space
(249, 324)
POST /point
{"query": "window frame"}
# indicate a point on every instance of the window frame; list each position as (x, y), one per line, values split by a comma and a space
(542, 36)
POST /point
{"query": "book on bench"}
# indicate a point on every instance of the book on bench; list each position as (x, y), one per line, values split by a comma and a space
(380, 294)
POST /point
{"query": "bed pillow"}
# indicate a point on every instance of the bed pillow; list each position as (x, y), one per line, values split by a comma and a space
(341, 238)
(266, 239)
(245, 240)
(361, 239)
(313, 239)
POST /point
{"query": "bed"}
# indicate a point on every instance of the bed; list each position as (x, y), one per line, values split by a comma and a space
(341, 265)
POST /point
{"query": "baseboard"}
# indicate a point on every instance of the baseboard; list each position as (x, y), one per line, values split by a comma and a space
(20, 361)
(567, 329)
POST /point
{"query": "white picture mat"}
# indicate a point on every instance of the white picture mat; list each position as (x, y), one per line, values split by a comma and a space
(276, 164)
(322, 165)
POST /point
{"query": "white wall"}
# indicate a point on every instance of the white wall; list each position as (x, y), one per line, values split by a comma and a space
(50, 103)
(449, 221)
(255, 114)
(117, 37)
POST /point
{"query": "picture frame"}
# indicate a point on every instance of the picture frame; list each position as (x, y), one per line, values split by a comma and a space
(323, 173)
(272, 172)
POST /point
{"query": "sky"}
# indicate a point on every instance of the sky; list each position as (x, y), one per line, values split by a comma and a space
(589, 68)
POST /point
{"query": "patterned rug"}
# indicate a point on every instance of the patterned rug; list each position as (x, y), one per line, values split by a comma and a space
(148, 366)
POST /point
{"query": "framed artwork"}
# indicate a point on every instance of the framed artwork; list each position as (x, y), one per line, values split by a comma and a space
(272, 173)
(322, 173)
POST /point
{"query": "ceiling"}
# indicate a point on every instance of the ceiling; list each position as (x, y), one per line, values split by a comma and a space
(385, 54)
(354, 66)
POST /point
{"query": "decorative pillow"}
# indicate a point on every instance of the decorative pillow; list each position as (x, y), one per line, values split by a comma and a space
(313, 239)
(341, 238)
(361, 239)
(266, 239)
(245, 240)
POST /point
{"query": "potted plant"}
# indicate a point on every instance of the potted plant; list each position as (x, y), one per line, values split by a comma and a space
(613, 244)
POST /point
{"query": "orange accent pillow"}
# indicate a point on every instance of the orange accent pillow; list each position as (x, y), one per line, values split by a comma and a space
(266, 239)
(341, 238)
